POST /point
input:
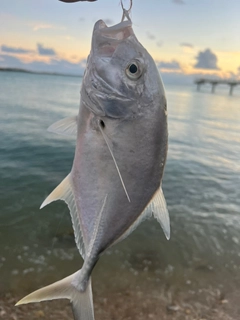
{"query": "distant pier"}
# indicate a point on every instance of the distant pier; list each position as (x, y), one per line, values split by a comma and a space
(214, 83)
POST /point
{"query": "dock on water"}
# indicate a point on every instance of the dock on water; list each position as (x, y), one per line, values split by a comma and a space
(214, 83)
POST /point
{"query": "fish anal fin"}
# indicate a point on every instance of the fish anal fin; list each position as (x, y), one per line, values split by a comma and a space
(64, 191)
(66, 126)
(159, 209)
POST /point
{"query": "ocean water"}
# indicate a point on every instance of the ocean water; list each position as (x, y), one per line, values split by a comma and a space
(201, 185)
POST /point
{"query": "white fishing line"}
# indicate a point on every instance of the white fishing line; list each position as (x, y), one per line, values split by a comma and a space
(115, 162)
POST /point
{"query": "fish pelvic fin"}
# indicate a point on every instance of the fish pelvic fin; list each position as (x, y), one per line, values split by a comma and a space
(82, 301)
(66, 126)
(158, 207)
(64, 191)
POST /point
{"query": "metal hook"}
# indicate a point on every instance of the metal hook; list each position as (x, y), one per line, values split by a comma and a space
(131, 4)
(126, 12)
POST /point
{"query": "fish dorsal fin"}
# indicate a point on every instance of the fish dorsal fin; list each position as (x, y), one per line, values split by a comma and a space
(159, 209)
(66, 126)
(64, 192)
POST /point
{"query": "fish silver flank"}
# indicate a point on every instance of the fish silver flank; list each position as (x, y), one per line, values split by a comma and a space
(121, 149)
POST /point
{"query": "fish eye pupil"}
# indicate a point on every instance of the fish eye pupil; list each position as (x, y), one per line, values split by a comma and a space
(133, 68)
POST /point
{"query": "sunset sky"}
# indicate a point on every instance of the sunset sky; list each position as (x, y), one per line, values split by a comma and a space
(185, 37)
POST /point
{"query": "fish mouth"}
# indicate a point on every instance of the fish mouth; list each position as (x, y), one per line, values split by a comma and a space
(106, 39)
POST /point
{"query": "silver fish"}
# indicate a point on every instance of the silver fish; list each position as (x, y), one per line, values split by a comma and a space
(115, 181)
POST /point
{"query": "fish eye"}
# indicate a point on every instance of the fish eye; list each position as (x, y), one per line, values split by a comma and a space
(134, 70)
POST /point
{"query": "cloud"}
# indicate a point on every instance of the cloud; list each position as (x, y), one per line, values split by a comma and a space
(150, 35)
(172, 65)
(53, 66)
(9, 62)
(42, 26)
(43, 51)
(14, 50)
(38, 25)
(179, 1)
(239, 69)
(186, 45)
(169, 71)
(159, 43)
(108, 21)
(206, 60)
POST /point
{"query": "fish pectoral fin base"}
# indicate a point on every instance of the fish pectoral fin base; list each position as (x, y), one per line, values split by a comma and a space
(66, 126)
(64, 192)
(82, 302)
(159, 209)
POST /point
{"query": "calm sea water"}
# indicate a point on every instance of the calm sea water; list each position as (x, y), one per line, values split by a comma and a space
(201, 185)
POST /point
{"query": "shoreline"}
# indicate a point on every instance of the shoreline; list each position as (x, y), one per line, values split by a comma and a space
(132, 303)
(39, 72)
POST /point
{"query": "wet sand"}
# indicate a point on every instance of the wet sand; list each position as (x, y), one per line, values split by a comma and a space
(205, 304)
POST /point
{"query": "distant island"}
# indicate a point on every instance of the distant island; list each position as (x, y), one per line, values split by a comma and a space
(39, 72)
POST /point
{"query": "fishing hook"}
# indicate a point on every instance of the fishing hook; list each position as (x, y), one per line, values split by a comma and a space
(131, 4)
(125, 11)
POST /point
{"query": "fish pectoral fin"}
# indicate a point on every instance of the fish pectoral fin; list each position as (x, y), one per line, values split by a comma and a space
(66, 126)
(158, 206)
(82, 302)
(64, 191)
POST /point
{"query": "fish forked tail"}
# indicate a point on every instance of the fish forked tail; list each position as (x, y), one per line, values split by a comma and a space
(82, 301)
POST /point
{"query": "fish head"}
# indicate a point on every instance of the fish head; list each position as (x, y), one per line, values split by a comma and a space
(121, 78)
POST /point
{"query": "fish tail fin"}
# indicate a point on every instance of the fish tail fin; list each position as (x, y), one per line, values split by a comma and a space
(82, 301)
(82, 306)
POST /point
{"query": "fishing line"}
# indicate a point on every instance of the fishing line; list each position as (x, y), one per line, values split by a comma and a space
(114, 160)
(54, 240)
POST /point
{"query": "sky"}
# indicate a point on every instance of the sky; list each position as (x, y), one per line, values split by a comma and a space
(186, 38)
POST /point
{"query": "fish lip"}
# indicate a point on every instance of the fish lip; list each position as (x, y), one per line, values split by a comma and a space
(100, 26)
(116, 28)
(106, 39)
